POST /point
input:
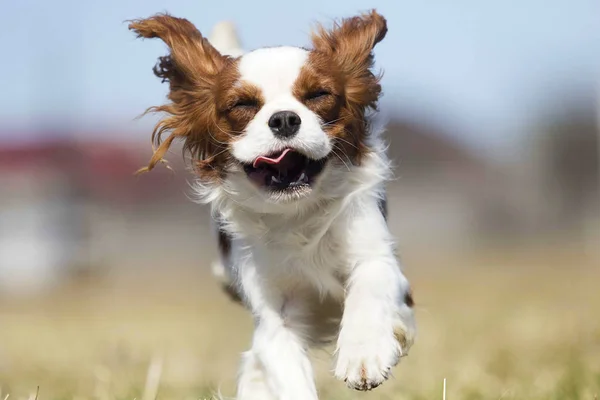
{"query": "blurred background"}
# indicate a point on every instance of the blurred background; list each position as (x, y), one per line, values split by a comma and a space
(493, 122)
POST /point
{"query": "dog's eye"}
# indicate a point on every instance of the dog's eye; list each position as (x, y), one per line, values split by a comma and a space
(317, 94)
(245, 103)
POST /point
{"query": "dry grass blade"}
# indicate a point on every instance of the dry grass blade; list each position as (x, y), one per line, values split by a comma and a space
(34, 396)
(444, 390)
(153, 379)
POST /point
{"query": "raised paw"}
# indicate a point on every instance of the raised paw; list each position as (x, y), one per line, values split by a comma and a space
(365, 361)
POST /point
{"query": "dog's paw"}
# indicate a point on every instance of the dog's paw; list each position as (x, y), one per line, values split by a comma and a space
(365, 364)
(365, 357)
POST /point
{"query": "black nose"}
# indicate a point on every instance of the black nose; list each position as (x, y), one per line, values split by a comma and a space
(285, 124)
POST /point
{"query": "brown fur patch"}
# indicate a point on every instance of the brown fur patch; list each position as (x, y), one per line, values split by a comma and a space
(339, 69)
(237, 102)
(408, 299)
(400, 336)
(199, 111)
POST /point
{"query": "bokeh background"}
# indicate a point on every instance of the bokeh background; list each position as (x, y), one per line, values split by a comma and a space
(492, 112)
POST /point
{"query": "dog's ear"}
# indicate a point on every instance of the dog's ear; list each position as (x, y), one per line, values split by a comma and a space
(353, 39)
(191, 69)
(192, 59)
(349, 43)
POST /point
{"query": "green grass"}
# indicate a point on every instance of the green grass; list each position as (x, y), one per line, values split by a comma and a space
(526, 328)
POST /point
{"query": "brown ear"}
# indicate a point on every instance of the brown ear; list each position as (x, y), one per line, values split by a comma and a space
(352, 40)
(191, 69)
(191, 56)
(349, 44)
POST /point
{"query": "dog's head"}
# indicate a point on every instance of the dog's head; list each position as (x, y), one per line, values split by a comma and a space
(272, 122)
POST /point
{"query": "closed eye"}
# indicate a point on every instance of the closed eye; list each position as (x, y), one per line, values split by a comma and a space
(317, 94)
(245, 103)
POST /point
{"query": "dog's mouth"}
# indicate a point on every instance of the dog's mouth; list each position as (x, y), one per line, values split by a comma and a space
(284, 170)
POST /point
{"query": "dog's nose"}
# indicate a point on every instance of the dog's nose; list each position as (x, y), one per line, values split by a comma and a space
(285, 124)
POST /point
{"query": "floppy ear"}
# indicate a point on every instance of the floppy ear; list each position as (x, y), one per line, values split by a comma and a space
(352, 39)
(350, 43)
(191, 69)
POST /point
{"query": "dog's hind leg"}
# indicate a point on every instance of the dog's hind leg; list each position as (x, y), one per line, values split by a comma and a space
(281, 337)
(252, 380)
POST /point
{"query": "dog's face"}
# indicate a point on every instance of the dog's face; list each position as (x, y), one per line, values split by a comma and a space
(268, 123)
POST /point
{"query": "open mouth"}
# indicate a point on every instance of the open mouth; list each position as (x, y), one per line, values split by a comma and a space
(284, 170)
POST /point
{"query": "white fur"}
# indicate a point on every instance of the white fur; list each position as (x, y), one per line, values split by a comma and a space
(332, 244)
(274, 71)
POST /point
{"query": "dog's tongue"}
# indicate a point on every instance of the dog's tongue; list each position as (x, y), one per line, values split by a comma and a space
(267, 160)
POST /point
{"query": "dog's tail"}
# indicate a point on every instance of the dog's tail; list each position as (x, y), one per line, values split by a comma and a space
(225, 39)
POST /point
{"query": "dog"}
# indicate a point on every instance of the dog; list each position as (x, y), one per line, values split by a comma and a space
(283, 146)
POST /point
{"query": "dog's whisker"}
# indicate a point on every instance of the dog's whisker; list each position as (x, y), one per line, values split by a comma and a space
(328, 123)
(340, 158)
(346, 141)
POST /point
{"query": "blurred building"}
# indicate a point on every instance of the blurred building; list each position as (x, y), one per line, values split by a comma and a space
(53, 198)
(567, 173)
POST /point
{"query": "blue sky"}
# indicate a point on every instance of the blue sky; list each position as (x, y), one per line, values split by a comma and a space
(480, 68)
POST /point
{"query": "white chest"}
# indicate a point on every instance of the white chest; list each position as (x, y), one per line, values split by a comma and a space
(307, 255)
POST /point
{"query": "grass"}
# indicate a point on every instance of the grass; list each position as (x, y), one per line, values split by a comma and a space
(496, 328)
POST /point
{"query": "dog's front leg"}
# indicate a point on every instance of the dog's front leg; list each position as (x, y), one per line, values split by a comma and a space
(279, 351)
(377, 325)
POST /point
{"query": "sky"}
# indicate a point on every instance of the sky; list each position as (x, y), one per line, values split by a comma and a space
(481, 70)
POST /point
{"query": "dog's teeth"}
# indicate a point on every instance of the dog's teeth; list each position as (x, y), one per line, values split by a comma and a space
(275, 180)
(303, 178)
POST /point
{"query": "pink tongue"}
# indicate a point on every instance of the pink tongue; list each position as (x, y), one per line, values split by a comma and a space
(267, 160)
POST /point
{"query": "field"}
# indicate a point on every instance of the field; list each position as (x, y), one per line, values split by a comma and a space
(496, 327)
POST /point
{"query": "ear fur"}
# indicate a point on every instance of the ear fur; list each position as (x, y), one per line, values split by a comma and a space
(190, 68)
(350, 43)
